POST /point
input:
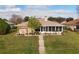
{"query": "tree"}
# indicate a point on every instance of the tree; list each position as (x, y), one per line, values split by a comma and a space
(33, 23)
(58, 19)
(16, 19)
(26, 18)
(4, 27)
(51, 18)
(69, 19)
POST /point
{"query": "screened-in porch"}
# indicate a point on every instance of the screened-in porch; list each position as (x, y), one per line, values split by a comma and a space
(51, 29)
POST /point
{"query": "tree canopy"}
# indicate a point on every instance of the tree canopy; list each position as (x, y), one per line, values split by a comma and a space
(34, 23)
(4, 27)
(69, 19)
(60, 19)
(16, 19)
(26, 18)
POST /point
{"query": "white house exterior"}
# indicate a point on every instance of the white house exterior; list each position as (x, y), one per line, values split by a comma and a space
(73, 25)
(51, 27)
(22, 28)
(47, 27)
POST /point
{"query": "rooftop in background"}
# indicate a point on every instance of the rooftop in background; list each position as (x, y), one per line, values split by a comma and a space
(9, 22)
(73, 22)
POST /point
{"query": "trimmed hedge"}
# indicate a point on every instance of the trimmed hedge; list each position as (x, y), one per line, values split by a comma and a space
(4, 27)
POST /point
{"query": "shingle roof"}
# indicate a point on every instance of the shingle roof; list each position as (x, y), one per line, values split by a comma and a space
(50, 23)
(24, 24)
(73, 22)
(43, 23)
(9, 22)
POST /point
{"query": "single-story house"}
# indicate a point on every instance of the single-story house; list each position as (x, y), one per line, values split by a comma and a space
(51, 27)
(11, 24)
(73, 25)
(46, 27)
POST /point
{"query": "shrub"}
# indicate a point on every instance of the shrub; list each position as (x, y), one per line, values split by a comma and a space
(4, 27)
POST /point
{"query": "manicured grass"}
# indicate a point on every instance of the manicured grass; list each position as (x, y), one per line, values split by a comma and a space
(12, 44)
(65, 44)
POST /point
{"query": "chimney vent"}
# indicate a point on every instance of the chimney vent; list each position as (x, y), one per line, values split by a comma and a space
(46, 18)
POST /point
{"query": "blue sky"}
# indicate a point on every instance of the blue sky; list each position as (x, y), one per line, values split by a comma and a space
(52, 7)
(65, 7)
(39, 10)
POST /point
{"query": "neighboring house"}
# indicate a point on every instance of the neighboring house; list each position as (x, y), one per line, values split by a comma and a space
(47, 27)
(73, 25)
(11, 24)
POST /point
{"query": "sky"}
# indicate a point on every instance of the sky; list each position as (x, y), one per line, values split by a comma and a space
(6, 11)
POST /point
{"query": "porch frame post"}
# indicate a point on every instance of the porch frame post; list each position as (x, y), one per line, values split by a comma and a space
(47, 29)
(51, 28)
(40, 29)
(62, 28)
(55, 28)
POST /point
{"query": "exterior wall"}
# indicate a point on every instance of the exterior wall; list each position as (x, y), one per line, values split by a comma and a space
(29, 30)
(71, 27)
(22, 31)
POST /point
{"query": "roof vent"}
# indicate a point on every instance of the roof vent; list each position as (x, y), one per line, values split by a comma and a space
(46, 18)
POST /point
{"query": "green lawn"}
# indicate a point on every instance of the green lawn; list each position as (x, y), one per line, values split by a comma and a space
(65, 44)
(12, 44)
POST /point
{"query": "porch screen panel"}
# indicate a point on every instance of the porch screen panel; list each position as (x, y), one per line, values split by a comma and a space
(60, 28)
(53, 28)
(41, 28)
(57, 28)
(49, 28)
(46, 28)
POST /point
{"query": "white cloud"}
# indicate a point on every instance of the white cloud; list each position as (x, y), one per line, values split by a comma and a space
(38, 10)
(43, 10)
(6, 8)
(6, 11)
(37, 7)
(47, 12)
